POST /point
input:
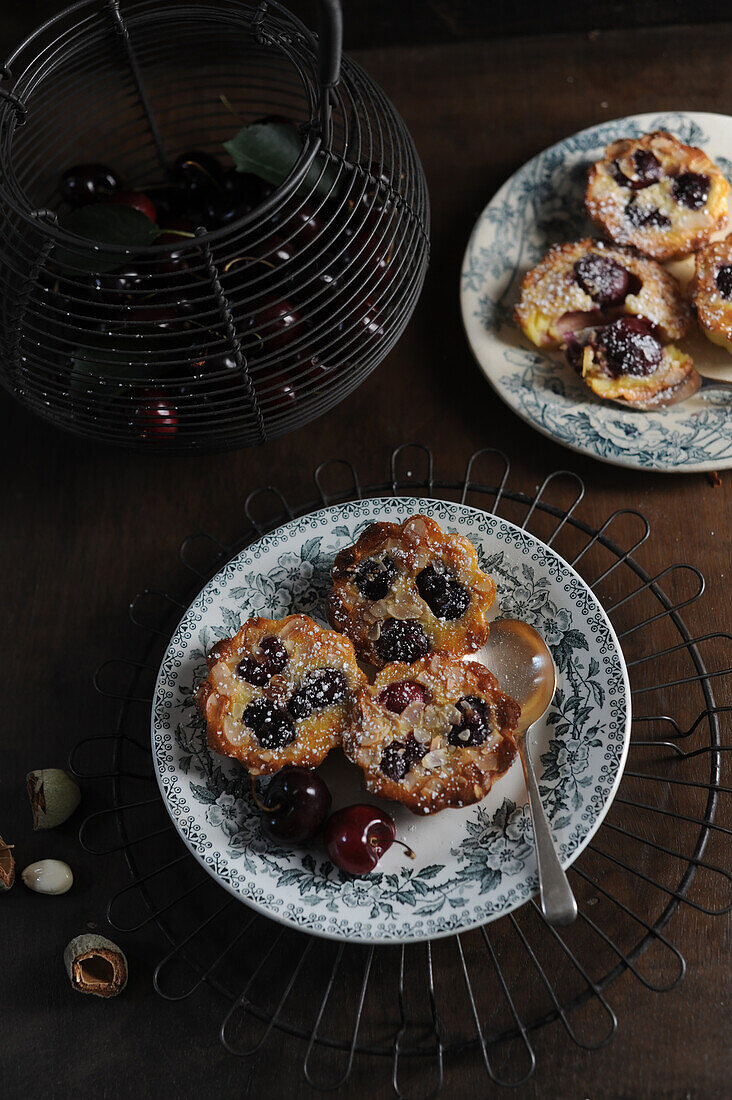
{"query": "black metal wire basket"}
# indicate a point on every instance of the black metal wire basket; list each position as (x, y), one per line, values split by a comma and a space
(277, 299)
(419, 1013)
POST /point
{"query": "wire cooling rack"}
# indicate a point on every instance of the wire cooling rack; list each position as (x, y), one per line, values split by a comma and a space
(407, 1008)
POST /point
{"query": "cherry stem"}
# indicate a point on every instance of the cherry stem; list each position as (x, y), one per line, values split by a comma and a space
(263, 805)
(406, 848)
(6, 847)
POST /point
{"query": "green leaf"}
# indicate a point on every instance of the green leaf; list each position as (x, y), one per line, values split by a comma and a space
(202, 794)
(431, 870)
(270, 149)
(105, 223)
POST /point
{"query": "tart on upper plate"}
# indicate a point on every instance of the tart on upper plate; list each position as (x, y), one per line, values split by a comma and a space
(404, 590)
(625, 361)
(279, 692)
(433, 734)
(586, 283)
(711, 292)
(654, 192)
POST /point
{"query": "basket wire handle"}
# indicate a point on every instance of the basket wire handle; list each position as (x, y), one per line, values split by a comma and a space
(330, 48)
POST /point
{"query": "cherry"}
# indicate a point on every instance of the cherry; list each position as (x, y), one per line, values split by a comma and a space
(605, 280)
(296, 804)
(723, 279)
(325, 687)
(443, 593)
(646, 218)
(630, 347)
(85, 183)
(170, 202)
(397, 697)
(273, 659)
(273, 322)
(402, 641)
(156, 417)
(691, 189)
(356, 838)
(374, 577)
(303, 224)
(475, 725)
(400, 756)
(271, 725)
(200, 175)
(137, 200)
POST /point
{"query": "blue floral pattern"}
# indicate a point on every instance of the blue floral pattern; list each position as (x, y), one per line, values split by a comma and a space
(472, 864)
(541, 205)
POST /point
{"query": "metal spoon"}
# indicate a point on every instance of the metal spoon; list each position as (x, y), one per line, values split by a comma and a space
(693, 383)
(521, 660)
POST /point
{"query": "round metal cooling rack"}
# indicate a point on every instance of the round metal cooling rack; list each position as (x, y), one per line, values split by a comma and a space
(488, 990)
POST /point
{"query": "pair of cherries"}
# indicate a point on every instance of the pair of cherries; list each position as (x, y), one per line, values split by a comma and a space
(297, 804)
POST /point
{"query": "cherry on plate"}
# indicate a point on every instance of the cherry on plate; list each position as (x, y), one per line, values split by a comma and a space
(296, 803)
(356, 838)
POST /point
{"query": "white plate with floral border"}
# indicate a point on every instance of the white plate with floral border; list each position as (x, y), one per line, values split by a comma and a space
(472, 865)
(543, 204)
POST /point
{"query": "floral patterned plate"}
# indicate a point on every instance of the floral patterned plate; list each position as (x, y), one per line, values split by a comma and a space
(543, 204)
(472, 865)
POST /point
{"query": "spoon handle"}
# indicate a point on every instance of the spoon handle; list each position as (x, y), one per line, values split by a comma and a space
(557, 900)
(720, 384)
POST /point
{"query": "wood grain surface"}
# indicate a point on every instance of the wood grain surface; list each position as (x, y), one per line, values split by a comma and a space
(86, 527)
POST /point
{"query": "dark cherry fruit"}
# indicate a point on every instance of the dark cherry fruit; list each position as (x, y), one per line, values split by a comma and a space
(275, 323)
(648, 170)
(374, 578)
(137, 200)
(399, 757)
(273, 659)
(274, 655)
(475, 725)
(445, 596)
(325, 687)
(646, 218)
(356, 838)
(85, 183)
(156, 417)
(402, 641)
(630, 347)
(691, 189)
(199, 174)
(605, 280)
(723, 279)
(295, 805)
(271, 725)
(397, 697)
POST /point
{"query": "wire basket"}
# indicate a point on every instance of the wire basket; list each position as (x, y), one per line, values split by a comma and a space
(281, 298)
(476, 1002)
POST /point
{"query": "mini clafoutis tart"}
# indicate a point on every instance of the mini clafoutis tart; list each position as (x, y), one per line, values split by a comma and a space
(657, 194)
(588, 283)
(279, 692)
(433, 734)
(406, 590)
(625, 361)
(711, 292)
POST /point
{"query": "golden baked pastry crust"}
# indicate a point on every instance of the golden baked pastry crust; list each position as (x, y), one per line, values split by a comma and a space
(446, 774)
(224, 695)
(412, 546)
(652, 218)
(713, 309)
(553, 303)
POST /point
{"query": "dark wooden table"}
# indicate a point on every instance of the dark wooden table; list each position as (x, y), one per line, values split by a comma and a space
(86, 527)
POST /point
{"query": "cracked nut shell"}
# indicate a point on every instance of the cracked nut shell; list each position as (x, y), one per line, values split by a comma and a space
(95, 965)
(7, 866)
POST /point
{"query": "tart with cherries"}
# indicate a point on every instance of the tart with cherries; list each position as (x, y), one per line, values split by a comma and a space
(279, 692)
(626, 362)
(405, 590)
(588, 283)
(654, 192)
(433, 734)
(711, 292)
